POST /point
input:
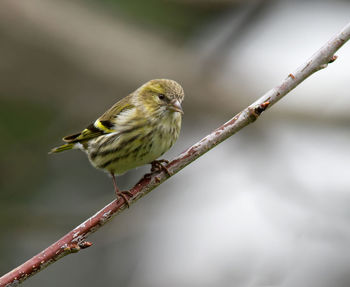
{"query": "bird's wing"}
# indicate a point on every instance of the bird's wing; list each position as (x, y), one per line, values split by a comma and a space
(110, 117)
(103, 125)
(90, 132)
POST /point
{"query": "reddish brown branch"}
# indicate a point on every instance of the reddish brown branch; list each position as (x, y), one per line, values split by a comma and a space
(76, 239)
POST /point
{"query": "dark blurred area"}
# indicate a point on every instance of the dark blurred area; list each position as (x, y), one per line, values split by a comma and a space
(269, 207)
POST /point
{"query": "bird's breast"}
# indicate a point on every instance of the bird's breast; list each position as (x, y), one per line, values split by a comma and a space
(135, 146)
(168, 132)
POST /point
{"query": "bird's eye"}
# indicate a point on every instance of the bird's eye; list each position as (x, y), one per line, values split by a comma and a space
(161, 97)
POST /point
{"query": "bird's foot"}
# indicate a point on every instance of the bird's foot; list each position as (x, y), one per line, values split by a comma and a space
(146, 176)
(126, 195)
(157, 165)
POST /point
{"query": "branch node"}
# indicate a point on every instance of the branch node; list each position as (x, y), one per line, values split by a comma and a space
(264, 105)
(85, 244)
(292, 76)
(254, 113)
(332, 59)
(72, 248)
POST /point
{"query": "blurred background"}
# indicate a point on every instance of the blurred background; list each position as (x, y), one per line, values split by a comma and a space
(269, 207)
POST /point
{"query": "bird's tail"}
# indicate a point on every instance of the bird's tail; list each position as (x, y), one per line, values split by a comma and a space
(62, 148)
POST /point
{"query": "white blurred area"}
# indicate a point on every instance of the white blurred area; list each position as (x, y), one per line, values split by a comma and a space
(268, 207)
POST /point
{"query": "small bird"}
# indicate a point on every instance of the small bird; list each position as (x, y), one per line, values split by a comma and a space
(135, 131)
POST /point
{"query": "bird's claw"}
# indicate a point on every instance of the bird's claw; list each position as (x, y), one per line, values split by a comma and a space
(157, 165)
(125, 194)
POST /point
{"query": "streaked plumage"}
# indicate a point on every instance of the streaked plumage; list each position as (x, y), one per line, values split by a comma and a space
(135, 131)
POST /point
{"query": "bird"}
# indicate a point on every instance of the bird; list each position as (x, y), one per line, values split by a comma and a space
(135, 131)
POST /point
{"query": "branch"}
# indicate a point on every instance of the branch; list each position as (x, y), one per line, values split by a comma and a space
(76, 239)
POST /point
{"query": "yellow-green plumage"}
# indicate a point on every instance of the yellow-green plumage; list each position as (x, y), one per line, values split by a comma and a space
(135, 131)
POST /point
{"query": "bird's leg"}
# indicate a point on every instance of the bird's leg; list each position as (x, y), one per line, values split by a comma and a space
(124, 194)
(157, 165)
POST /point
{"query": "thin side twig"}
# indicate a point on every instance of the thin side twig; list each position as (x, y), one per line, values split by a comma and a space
(75, 240)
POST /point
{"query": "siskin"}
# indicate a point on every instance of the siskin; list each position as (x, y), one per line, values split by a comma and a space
(135, 131)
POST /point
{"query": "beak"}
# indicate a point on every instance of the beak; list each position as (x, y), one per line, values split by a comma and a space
(176, 106)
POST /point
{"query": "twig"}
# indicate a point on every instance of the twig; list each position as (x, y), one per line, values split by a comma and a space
(76, 239)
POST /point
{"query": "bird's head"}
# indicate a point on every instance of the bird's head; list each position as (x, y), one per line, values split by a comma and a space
(162, 96)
